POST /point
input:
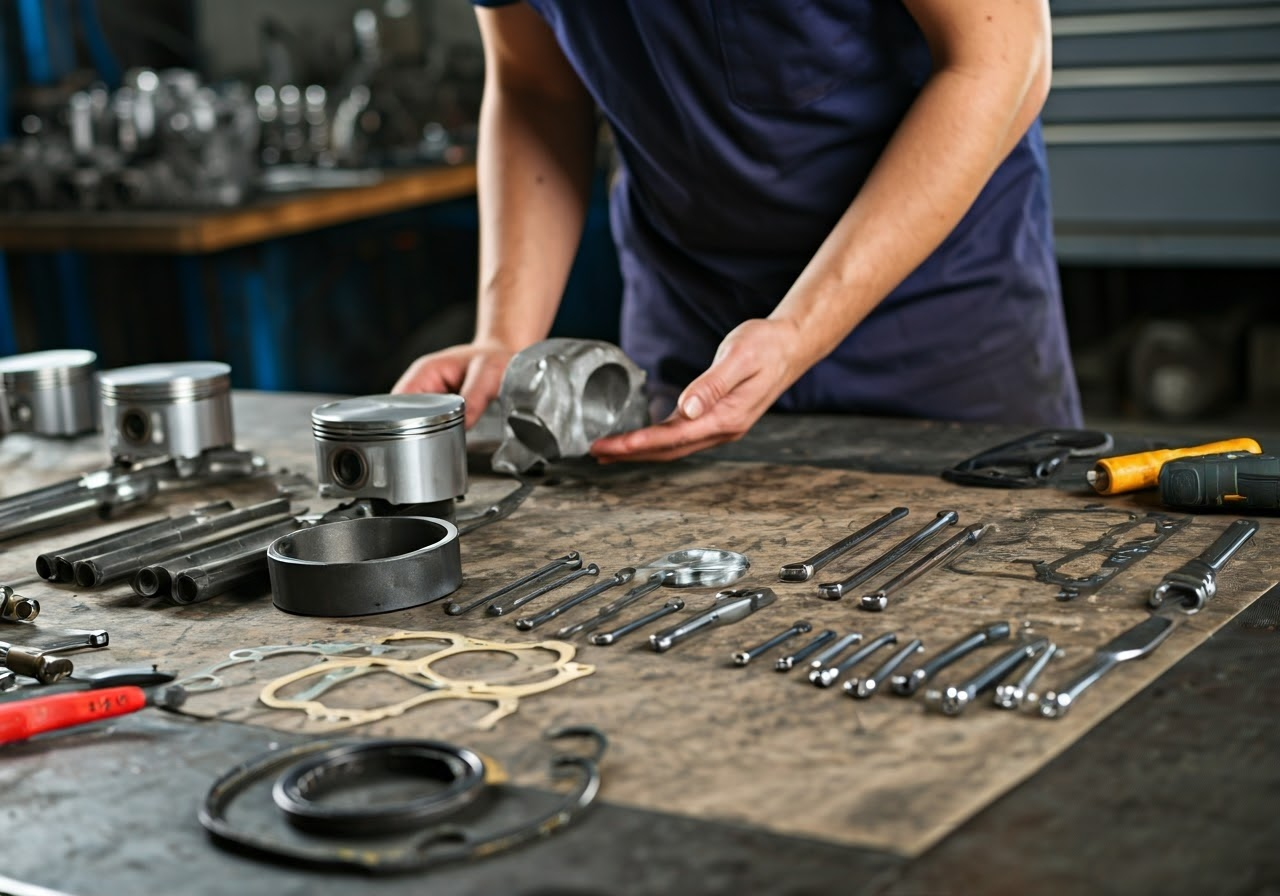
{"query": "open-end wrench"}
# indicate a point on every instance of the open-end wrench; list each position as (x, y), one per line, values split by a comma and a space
(613, 608)
(803, 572)
(865, 687)
(830, 653)
(621, 577)
(604, 639)
(837, 590)
(1132, 644)
(730, 605)
(785, 663)
(829, 675)
(953, 699)
(1196, 581)
(500, 609)
(879, 599)
(1011, 696)
(742, 657)
(907, 684)
(571, 560)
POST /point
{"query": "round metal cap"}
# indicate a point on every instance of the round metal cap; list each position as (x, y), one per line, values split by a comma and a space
(47, 369)
(182, 381)
(378, 417)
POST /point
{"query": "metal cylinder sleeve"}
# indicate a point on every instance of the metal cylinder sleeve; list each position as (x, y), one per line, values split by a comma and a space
(405, 449)
(559, 396)
(50, 393)
(166, 410)
(363, 566)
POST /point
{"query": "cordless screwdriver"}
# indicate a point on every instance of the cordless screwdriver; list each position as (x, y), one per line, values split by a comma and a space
(1131, 472)
(1236, 480)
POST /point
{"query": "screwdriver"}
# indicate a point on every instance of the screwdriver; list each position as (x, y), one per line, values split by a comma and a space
(21, 719)
(1131, 472)
(1235, 480)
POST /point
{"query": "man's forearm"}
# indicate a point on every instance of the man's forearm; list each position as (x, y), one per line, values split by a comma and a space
(535, 156)
(965, 121)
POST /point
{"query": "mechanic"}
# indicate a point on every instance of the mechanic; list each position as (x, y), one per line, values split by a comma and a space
(820, 206)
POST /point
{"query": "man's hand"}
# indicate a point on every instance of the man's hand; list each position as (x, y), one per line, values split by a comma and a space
(474, 371)
(755, 364)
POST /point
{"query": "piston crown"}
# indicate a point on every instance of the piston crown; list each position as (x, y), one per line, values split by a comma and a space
(183, 381)
(387, 417)
(48, 369)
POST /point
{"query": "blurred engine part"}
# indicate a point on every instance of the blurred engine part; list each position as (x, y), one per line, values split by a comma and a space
(162, 140)
(1183, 369)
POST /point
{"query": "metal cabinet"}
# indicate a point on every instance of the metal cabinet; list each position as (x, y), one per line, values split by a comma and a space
(1163, 131)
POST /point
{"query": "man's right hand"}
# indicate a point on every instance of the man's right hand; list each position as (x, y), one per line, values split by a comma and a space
(473, 371)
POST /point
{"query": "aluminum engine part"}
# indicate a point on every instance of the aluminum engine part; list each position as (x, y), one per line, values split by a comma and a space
(166, 410)
(364, 566)
(560, 395)
(405, 449)
(51, 393)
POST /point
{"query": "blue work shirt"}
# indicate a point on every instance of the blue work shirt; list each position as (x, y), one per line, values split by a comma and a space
(744, 131)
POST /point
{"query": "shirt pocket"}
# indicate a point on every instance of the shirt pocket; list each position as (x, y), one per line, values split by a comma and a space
(780, 55)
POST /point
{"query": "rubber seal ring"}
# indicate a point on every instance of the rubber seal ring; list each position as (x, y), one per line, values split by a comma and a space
(298, 789)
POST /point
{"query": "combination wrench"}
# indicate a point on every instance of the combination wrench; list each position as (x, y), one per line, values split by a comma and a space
(908, 684)
(571, 560)
(837, 590)
(621, 577)
(803, 572)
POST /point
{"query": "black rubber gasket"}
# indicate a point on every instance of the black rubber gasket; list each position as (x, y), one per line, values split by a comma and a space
(298, 788)
(434, 845)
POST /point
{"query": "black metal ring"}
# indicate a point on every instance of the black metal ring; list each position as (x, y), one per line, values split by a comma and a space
(297, 789)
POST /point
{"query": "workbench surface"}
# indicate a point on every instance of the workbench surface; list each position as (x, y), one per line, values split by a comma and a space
(1166, 788)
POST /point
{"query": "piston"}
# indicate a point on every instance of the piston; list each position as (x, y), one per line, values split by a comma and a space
(50, 393)
(166, 410)
(404, 449)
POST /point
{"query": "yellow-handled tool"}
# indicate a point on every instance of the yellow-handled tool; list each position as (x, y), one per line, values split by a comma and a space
(1131, 472)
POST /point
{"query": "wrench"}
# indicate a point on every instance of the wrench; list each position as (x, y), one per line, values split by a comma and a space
(571, 560)
(803, 572)
(516, 603)
(953, 699)
(1196, 581)
(879, 599)
(742, 657)
(906, 685)
(864, 688)
(621, 577)
(731, 605)
(825, 678)
(1132, 644)
(1010, 696)
(603, 639)
(836, 590)
(835, 650)
(609, 610)
(785, 663)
